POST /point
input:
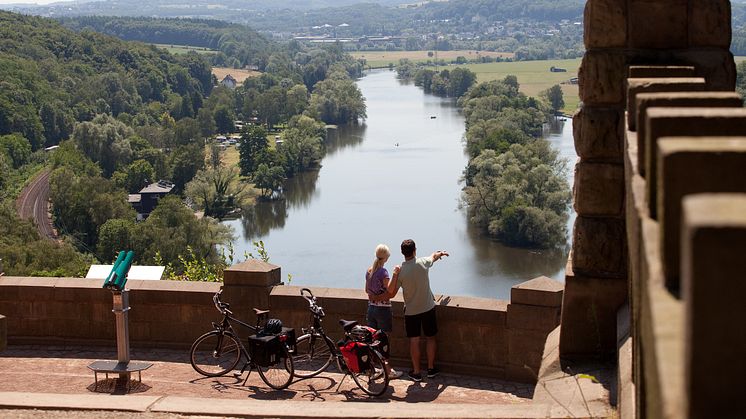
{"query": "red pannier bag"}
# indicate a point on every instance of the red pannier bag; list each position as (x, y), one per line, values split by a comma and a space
(356, 356)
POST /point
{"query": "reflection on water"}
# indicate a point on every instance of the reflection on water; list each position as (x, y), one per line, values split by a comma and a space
(397, 176)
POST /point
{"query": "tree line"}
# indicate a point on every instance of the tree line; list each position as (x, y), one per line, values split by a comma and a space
(124, 115)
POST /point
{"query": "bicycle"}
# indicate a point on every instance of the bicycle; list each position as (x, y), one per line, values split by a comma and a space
(315, 351)
(219, 351)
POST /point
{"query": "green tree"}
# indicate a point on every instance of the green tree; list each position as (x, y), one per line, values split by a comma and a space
(186, 161)
(224, 118)
(269, 179)
(16, 148)
(337, 100)
(105, 141)
(251, 146)
(135, 177)
(554, 97)
(218, 191)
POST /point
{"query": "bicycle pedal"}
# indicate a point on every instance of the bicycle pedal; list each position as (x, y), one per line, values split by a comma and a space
(237, 374)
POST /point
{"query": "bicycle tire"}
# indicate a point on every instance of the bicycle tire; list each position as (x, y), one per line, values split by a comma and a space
(279, 375)
(215, 353)
(375, 380)
(313, 354)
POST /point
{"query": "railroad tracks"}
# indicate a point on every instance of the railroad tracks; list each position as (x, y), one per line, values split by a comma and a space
(33, 203)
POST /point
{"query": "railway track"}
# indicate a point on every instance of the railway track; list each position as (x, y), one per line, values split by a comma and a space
(33, 203)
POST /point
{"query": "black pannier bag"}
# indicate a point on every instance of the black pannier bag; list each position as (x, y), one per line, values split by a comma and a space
(381, 342)
(265, 350)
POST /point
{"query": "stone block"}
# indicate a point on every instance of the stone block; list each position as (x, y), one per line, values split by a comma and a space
(3, 333)
(655, 85)
(713, 266)
(538, 318)
(678, 100)
(599, 189)
(715, 65)
(675, 122)
(689, 166)
(658, 24)
(704, 17)
(541, 291)
(589, 316)
(526, 348)
(520, 374)
(599, 133)
(252, 272)
(648, 71)
(599, 248)
(605, 24)
(601, 78)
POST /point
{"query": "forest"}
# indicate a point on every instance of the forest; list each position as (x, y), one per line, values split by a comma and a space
(125, 114)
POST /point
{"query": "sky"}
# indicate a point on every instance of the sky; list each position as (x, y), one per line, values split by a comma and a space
(31, 1)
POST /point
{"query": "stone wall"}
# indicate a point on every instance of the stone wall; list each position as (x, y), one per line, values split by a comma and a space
(476, 336)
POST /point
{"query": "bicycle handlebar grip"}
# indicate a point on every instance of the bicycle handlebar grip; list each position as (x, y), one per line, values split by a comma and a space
(306, 290)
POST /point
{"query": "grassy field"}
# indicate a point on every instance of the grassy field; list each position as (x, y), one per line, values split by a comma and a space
(384, 58)
(183, 49)
(534, 76)
(239, 74)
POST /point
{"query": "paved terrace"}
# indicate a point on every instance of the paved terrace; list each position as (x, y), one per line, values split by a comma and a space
(57, 380)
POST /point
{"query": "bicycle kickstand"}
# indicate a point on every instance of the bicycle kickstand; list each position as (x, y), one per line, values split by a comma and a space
(342, 381)
(239, 374)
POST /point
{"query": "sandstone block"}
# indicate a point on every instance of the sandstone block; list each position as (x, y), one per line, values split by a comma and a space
(714, 245)
(678, 100)
(599, 248)
(526, 348)
(541, 291)
(252, 272)
(601, 78)
(599, 189)
(673, 122)
(665, 71)
(538, 318)
(704, 17)
(653, 85)
(3, 333)
(688, 166)
(658, 24)
(605, 24)
(589, 316)
(598, 133)
(715, 65)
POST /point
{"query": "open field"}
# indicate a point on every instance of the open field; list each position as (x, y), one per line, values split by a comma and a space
(239, 74)
(384, 58)
(534, 76)
(183, 49)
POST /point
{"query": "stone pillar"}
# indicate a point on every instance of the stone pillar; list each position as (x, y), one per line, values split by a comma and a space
(3, 333)
(686, 166)
(533, 312)
(248, 284)
(713, 266)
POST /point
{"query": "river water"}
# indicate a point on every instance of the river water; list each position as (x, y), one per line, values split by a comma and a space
(395, 177)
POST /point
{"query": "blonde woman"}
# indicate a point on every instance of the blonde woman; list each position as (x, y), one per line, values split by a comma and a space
(377, 281)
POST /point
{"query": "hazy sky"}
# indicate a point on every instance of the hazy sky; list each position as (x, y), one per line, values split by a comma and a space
(30, 1)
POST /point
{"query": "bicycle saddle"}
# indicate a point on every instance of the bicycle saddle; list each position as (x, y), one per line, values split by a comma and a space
(347, 325)
(260, 312)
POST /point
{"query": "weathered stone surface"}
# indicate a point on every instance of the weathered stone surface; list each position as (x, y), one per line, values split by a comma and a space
(538, 318)
(599, 248)
(598, 133)
(541, 291)
(674, 122)
(605, 24)
(252, 272)
(715, 65)
(648, 71)
(678, 100)
(714, 245)
(525, 348)
(657, 23)
(653, 85)
(704, 16)
(599, 189)
(3, 333)
(589, 313)
(689, 166)
(601, 78)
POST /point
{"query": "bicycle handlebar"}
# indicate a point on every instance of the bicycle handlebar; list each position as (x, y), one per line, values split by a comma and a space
(221, 306)
(310, 298)
(315, 308)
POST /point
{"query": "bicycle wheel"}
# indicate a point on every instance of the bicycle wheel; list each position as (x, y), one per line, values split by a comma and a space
(313, 354)
(279, 375)
(214, 353)
(375, 380)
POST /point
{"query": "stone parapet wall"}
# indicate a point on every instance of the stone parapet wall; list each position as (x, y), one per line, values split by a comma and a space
(478, 336)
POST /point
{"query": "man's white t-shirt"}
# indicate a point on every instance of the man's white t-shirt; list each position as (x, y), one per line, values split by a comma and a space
(415, 281)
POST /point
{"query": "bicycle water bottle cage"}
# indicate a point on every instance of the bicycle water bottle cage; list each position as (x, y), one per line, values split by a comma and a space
(347, 325)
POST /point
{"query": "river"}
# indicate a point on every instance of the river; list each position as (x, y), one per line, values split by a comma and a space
(395, 177)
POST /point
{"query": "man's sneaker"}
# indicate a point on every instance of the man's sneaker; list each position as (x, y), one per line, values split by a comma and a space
(394, 374)
(432, 372)
(415, 376)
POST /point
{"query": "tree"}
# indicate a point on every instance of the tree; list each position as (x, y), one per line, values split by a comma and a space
(16, 148)
(105, 141)
(137, 175)
(269, 179)
(206, 122)
(554, 97)
(337, 100)
(252, 144)
(217, 191)
(186, 161)
(224, 118)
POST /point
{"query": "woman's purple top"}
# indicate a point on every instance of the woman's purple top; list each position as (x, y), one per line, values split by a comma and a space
(374, 285)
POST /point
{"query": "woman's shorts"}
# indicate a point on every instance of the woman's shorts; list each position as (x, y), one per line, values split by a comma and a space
(380, 318)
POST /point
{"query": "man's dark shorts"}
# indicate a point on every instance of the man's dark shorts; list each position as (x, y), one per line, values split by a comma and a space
(421, 322)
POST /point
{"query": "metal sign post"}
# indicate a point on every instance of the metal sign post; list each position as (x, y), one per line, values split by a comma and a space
(121, 309)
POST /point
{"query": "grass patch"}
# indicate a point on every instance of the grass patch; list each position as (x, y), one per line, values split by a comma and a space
(184, 49)
(534, 76)
(377, 59)
(239, 74)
